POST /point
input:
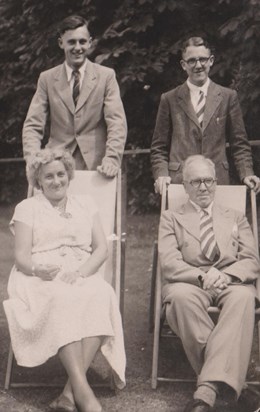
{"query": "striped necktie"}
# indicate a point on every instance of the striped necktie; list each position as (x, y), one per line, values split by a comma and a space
(200, 108)
(207, 237)
(76, 85)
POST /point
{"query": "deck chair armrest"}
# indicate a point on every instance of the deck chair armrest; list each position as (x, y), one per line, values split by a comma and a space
(257, 285)
(153, 284)
(122, 275)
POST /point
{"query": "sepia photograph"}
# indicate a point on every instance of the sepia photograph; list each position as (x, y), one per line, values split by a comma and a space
(129, 206)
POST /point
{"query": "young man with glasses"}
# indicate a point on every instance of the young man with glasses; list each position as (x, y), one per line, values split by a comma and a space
(208, 258)
(200, 117)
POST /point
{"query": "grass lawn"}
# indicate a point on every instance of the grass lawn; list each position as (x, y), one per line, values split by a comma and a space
(138, 395)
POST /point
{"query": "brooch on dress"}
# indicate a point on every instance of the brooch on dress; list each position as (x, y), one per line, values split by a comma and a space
(66, 215)
(62, 210)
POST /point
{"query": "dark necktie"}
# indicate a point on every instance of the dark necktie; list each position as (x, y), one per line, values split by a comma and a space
(200, 108)
(76, 84)
(207, 237)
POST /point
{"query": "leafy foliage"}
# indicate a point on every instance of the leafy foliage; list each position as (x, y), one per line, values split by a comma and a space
(140, 39)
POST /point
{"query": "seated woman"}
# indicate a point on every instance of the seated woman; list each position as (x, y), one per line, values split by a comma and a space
(58, 302)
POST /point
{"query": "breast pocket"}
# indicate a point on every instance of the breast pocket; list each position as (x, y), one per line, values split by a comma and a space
(220, 120)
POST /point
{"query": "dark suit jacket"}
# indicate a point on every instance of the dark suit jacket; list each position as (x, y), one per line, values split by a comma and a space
(180, 252)
(178, 135)
(97, 124)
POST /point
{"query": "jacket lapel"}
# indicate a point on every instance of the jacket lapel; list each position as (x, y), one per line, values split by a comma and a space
(63, 89)
(212, 102)
(223, 224)
(185, 103)
(89, 82)
(188, 218)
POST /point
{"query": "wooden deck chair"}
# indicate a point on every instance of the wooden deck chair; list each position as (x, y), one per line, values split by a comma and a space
(173, 197)
(107, 196)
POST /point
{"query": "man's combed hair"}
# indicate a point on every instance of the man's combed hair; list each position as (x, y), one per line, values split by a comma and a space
(195, 41)
(196, 159)
(71, 23)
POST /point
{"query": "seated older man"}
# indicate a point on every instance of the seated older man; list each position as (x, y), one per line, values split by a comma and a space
(208, 257)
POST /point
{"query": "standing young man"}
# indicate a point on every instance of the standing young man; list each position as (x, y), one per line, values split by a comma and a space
(82, 101)
(199, 117)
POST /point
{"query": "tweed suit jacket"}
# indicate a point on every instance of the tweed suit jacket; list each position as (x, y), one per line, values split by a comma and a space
(178, 134)
(179, 245)
(97, 124)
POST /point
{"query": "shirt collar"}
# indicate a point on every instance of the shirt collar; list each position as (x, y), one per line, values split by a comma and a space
(195, 89)
(198, 208)
(69, 70)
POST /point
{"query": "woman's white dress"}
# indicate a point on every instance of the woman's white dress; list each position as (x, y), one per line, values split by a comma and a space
(43, 316)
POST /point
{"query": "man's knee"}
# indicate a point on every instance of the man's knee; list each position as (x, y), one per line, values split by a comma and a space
(242, 292)
(184, 297)
(178, 292)
(242, 296)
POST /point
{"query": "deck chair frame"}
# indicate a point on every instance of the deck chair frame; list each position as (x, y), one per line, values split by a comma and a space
(156, 315)
(119, 246)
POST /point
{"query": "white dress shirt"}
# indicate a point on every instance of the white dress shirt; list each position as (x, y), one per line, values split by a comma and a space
(70, 76)
(195, 91)
(198, 208)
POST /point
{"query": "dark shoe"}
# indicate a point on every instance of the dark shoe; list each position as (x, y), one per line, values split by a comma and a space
(197, 405)
(62, 404)
(249, 400)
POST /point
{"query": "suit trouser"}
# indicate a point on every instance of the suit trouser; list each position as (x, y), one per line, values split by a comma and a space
(220, 352)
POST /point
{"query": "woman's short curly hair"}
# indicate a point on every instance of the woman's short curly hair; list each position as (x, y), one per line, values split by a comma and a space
(45, 156)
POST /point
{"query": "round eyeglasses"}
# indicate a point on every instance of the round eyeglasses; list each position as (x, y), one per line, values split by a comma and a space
(193, 61)
(208, 182)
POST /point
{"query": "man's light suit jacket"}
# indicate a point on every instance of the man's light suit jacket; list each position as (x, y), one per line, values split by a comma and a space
(180, 254)
(97, 124)
(178, 134)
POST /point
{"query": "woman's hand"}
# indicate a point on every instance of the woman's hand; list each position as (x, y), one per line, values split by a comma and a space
(70, 277)
(46, 272)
